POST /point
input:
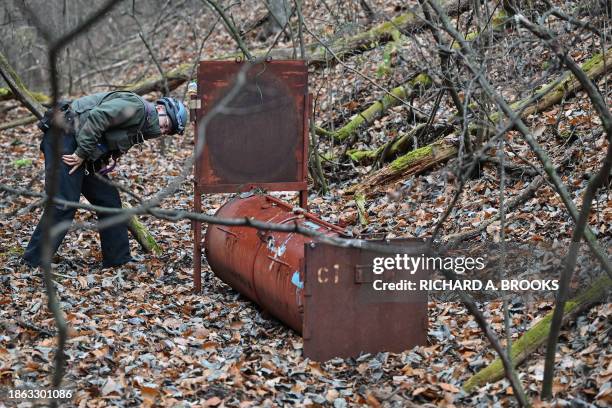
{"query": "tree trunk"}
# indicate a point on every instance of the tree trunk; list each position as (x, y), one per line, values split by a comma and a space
(533, 338)
(440, 151)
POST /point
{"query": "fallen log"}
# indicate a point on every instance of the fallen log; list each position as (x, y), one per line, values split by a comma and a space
(18, 122)
(549, 95)
(409, 164)
(533, 338)
(393, 148)
(175, 77)
(367, 116)
(455, 239)
(6, 95)
(142, 235)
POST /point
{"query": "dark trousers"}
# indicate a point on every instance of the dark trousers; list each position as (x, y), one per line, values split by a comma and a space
(115, 243)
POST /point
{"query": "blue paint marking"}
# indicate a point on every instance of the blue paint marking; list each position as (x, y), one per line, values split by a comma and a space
(295, 279)
(311, 225)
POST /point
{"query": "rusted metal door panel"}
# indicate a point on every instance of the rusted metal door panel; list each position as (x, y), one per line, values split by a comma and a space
(343, 314)
(260, 138)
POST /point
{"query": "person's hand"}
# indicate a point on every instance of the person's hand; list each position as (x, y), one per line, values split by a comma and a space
(72, 160)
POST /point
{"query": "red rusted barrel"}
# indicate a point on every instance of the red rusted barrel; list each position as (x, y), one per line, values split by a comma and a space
(265, 266)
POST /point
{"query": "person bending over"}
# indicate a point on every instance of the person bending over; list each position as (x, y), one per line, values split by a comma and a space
(97, 130)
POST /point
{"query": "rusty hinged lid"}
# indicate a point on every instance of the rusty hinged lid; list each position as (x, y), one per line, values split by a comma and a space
(344, 316)
(260, 137)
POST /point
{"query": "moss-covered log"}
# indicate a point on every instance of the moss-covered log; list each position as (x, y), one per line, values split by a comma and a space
(317, 55)
(401, 145)
(175, 77)
(142, 235)
(533, 338)
(594, 67)
(6, 95)
(402, 166)
(367, 116)
(409, 164)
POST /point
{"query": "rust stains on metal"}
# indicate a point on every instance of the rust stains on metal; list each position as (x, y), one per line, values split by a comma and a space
(343, 314)
(322, 291)
(263, 265)
(258, 139)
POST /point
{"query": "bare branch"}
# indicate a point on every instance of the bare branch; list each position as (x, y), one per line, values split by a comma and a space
(55, 46)
(566, 275)
(232, 30)
(529, 138)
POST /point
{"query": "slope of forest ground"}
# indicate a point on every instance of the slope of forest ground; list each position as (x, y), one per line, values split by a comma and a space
(140, 336)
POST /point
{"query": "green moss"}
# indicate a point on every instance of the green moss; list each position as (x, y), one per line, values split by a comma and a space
(6, 93)
(360, 201)
(40, 97)
(22, 163)
(406, 160)
(389, 26)
(586, 66)
(499, 19)
(385, 66)
(471, 36)
(592, 62)
(387, 101)
(179, 72)
(422, 79)
(329, 156)
(349, 128)
(155, 247)
(360, 156)
(16, 250)
(322, 132)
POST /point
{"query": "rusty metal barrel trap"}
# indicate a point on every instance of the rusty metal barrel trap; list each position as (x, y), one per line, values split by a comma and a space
(321, 291)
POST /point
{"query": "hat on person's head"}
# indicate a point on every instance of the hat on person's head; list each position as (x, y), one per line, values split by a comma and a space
(176, 112)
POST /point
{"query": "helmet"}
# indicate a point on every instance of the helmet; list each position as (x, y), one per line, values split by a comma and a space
(176, 112)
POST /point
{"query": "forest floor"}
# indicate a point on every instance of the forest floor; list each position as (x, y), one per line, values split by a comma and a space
(140, 336)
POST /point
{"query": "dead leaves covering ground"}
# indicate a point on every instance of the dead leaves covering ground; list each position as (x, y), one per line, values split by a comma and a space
(140, 337)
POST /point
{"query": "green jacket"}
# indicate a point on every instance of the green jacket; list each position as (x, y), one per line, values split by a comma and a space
(115, 119)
